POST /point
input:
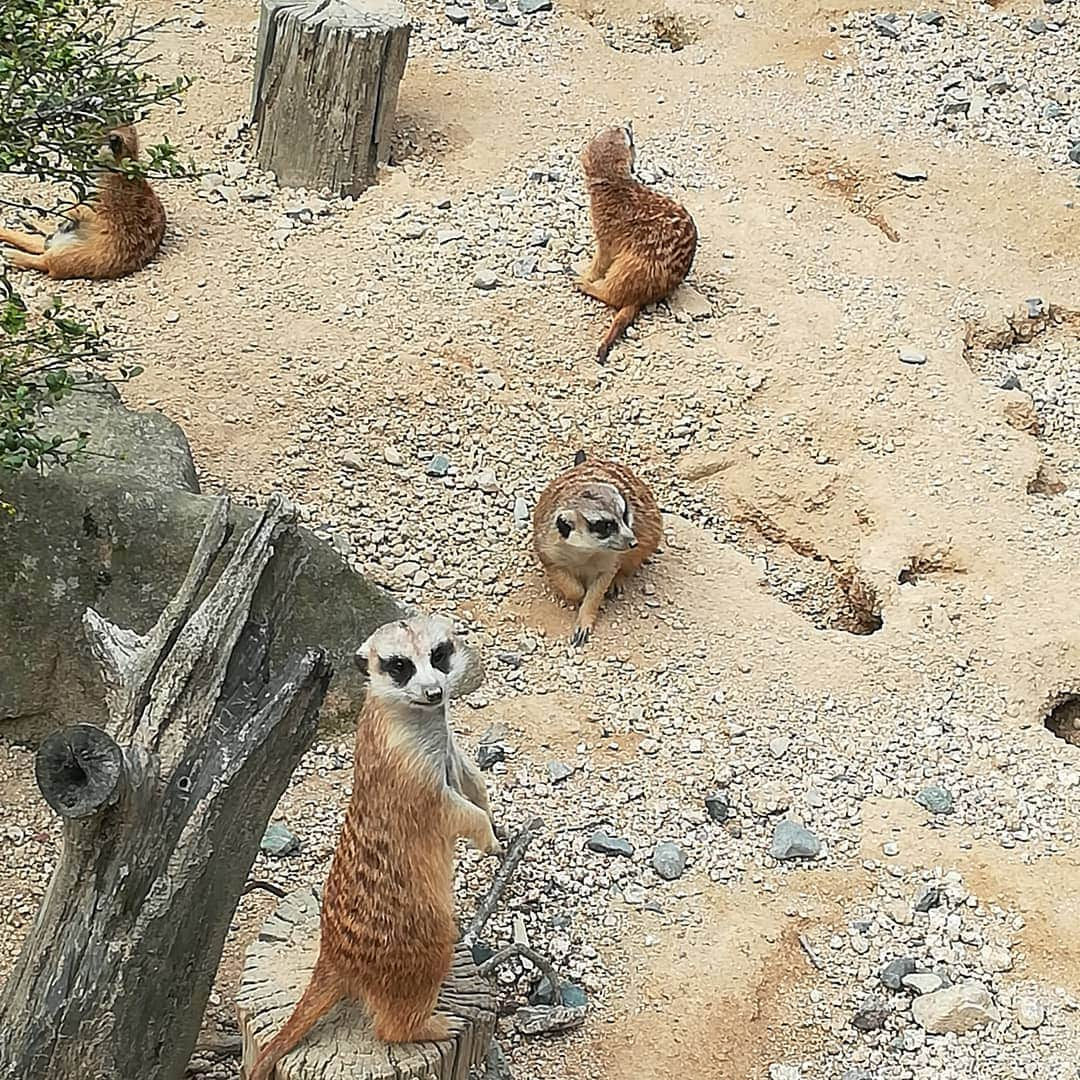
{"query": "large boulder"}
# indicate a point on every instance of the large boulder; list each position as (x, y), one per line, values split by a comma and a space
(116, 533)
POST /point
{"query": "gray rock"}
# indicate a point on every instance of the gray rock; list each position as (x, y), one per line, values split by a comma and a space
(521, 512)
(458, 16)
(413, 230)
(1010, 382)
(923, 982)
(929, 896)
(485, 279)
(931, 18)
(603, 844)
(1036, 306)
(959, 1008)
(872, 1015)
(909, 355)
(116, 531)
(1030, 1012)
(570, 994)
(894, 972)
(995, 958)
(278, 840)
(717, 807)
(558, 771)
(531, 7)
(439, 465)
(886, 25)
(936, 799)
(1074, 154)
(785, 1072)
(1037, 26)
(668, 861)
(489, 754)
(910, 172)
(541, 1019)
(791, 841)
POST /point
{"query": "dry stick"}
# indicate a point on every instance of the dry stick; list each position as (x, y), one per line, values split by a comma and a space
(544, 966)
(502, 878)
(266, 886)
(807, 948)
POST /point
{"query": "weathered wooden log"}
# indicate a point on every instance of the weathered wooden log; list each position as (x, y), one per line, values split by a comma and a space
(343, 1046)
(326, 88)
(162, 820)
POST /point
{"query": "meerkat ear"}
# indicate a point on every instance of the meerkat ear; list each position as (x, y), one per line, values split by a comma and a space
(361, 658)
(564, 525)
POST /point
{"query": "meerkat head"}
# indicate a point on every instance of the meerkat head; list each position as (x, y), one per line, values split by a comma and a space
(411, 663)
(596, 518)
(611, 155)
(121, 144)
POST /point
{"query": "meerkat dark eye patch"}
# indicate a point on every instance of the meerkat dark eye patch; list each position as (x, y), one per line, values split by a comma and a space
(116, 144)
(440, 656)
(400, 668)
(564, 527)
(602, 528)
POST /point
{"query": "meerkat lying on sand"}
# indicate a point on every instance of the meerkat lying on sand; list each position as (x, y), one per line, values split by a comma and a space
(118, 232)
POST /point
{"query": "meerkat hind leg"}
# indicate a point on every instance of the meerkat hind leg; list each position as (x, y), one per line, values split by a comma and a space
(29, 242)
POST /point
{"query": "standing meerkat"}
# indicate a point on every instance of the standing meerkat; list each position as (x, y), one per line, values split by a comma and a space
(593, 526)
(118, 232)
(645, 242)
(387, 924)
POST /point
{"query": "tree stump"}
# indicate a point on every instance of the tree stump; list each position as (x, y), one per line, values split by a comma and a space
(326, 87)
(163, 814)
(342, 1046)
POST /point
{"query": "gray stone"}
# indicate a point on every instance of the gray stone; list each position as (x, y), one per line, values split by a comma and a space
(936, 799)
(910, 172)
(995, 959)
(668, 861)
(458, 16)
(886, 25)
(1036, 306)
(1010, 382)
(278, 840)
(791, 841)
(931, 18)
(485, 279)
(489, 754)
(116, 531)
(929, 896)
(909, 355)
(893, 973)
(1030, 1013)
(541, 1019)
(1074, 154)
(688, 304)
(521, 512)
(570, 994)
(558, 771)
(413, 230)
(1037, 26)
(923, 982)
(439, 465)
(717, 807)
(959, 1008)
(872, 1015)
(603, 844)
(531, 7)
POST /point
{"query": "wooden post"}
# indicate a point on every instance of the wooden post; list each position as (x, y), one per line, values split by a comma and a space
(342, 1046)
(326, 87)
(163, 815)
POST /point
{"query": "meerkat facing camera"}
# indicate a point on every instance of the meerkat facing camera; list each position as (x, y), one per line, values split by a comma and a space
(645, 242)
(593, 526)
(118, 232)
(387, 924)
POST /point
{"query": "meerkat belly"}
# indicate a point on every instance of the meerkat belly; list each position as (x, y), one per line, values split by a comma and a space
(65, 235)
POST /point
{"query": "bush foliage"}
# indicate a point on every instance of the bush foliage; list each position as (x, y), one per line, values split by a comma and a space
(69, 71)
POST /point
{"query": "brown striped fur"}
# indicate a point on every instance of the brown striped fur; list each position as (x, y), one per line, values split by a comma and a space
(118, 232)
(387, 924)
(583, 566)
(645, 242)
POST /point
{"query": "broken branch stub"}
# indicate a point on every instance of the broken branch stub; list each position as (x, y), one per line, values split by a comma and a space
(163, 815)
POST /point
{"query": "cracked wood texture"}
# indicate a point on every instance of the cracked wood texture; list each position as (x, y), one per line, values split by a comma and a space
(326, 88)
(163, 814)
(342, 1046)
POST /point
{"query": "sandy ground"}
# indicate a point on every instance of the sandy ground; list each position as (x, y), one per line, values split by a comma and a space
(913, 481)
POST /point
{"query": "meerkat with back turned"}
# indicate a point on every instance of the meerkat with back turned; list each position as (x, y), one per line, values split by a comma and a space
(387, 924)
(645, 242)
(118, 232)
(593, 526)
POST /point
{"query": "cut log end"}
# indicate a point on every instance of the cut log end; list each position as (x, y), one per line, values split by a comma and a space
(79, 770)
(342, 1046)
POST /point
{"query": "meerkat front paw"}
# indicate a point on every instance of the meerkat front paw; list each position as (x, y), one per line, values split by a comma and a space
(581, 635)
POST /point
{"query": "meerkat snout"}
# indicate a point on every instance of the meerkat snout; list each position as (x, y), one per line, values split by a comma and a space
(433, 695)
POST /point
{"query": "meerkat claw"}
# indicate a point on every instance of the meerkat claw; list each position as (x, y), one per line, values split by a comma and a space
(581, 635)
(615, 590)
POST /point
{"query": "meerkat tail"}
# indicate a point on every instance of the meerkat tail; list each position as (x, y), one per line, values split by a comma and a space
(579, 458)
(623, 318)
(323, 993)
